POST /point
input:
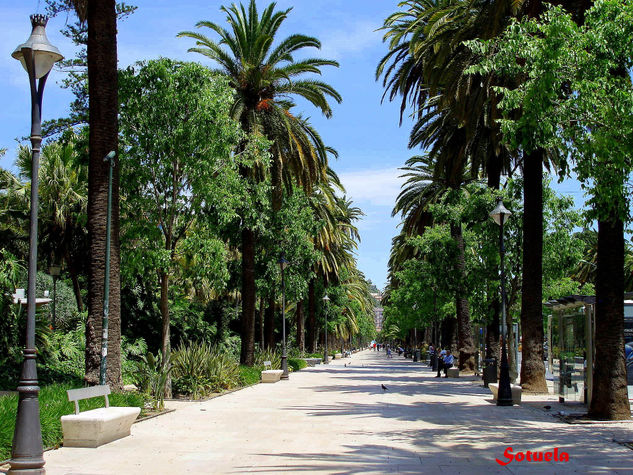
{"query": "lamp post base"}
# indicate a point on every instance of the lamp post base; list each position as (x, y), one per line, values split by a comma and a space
(284, 366)
(504, 397)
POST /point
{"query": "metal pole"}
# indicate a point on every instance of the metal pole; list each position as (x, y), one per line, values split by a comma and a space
(325, 354)
(505, 391)
(284, 355)
(106, 284)
(27, 452)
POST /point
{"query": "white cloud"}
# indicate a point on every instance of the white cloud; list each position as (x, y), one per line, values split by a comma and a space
(376, 187)
(354, 39)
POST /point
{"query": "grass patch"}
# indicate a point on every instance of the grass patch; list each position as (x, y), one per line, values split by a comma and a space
(250, 374)
(53, 405)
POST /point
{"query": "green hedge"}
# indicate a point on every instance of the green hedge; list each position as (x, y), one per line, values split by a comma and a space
(296, 364)
(53, 405)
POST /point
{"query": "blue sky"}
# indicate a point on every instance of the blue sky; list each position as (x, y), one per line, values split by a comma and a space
(366, 134)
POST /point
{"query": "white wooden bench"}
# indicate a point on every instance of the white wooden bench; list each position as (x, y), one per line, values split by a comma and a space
(98, 426)
(516, 392)
(271, 375)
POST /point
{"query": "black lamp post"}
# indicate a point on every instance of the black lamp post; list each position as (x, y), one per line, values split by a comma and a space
(504, 397)
(37, 56)
(326, 300)
(283, 263)
(54, 271)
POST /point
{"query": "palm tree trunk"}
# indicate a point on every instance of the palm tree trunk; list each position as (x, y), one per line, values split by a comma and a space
(312, 336)
(269, 323)
(103, 109)
(610, 399)
(301, 343)
(464, 328)
(247, 350)
(532, 366)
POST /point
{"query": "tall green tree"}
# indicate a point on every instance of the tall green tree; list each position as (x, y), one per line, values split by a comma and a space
(265, 77)
(576, 97)
(180, 177)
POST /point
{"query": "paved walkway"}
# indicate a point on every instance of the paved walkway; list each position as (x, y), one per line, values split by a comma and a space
(337, 419)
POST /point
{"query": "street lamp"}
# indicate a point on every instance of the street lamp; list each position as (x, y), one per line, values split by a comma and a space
(54, 271)
(283, 263)
(326, 301)
(37, 56)
(500, 215)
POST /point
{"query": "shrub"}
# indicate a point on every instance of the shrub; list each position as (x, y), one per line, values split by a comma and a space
(199, 370)
(296, 364)
(152, 375)
(268, 355)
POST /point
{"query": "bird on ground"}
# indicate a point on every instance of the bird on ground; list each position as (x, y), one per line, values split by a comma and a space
(547, 408)
(384, 388)
(345, 365)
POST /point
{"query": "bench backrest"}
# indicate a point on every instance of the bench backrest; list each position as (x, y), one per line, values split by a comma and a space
(268, 365)
(76, 395)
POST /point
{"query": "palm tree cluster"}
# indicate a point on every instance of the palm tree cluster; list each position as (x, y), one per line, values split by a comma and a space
(429, 69)
(266, 78)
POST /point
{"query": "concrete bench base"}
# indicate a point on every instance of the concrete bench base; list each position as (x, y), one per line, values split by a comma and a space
(271, 375)
(516, 392)
(337, 356)
(452, 372)
(312, 361)
(98, 426)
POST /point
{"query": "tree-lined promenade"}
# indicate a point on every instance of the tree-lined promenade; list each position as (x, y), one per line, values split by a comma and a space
(501, 92)
(337, 419)
(188, 219)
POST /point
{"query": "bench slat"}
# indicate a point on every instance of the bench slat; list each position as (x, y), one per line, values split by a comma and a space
(87, 393)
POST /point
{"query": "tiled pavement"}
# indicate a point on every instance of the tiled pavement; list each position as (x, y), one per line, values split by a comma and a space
(337, 419)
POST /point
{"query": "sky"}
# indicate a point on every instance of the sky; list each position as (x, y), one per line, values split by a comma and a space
(364, 130)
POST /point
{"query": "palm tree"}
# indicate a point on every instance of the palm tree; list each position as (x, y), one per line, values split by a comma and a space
(265, 79)
(101, 17)
(63, 201)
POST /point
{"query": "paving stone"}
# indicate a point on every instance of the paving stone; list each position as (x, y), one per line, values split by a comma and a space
(336, 419)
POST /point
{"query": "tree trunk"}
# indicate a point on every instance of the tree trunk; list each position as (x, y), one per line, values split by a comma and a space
(464, 328)
(532, 366)
(493, 349)
(103, 138)
(74, 278)
(165, 346)
(301, 343)
(312, 334)
(494, 165)
(610, 399)
(269, 323)
(247, 350)
(449, 333)
(261, 323)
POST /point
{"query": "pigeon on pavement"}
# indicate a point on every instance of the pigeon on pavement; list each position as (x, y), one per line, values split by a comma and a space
(384, 388)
